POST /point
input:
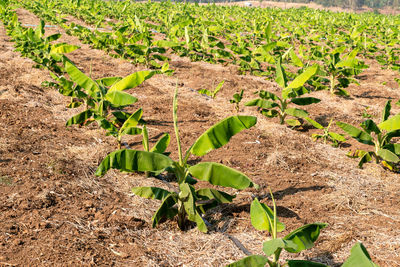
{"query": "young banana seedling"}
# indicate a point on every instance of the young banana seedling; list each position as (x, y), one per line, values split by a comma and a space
(271, 105)
(265, 219)
(379, 136)
(327, 135)
(212, 94)
(186, 202)
(237, 98)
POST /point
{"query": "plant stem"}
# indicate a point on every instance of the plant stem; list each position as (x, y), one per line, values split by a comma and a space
(175, 116)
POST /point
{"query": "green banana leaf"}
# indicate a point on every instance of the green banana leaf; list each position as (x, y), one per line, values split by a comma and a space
(271, 246)
(218, 174)
(387, 155)
(81, 79)
(302, 263)
(209, 193)
(303, 101)
(166, 209)
(120, 99)
(359, 257)
(161, 144)
(151, 192)
(132, 80)
(63, 48)
(188, 194)
(304, 237)
(391, 124)
(80, 118)
(133, 160)
(262, 103)
(356, 133)
(220, 134)
(262, 216)
(304, 77)
(295, 112)
(250, 261)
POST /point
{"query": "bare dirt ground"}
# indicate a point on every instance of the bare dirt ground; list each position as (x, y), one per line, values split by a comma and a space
(54, 211)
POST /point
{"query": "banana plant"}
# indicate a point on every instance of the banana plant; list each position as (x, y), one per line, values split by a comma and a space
(186, 202)
(265, 219)
(236, 99)
(212, 93)
(271, 105)
(341, 71)
(327, 135)
(103, 98)
(379, 136)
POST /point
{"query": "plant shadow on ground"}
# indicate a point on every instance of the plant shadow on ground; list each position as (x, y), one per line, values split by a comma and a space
(368, 94)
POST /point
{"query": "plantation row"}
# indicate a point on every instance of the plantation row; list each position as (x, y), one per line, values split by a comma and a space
(105, 102)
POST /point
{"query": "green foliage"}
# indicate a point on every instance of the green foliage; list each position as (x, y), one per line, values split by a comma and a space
(327, 135)
(212, 94)
(263, 218)
(236, 99)
(186, 202)
(379, 136)
(271, 105)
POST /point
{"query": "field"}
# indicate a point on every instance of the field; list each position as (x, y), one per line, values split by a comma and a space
(56, 211)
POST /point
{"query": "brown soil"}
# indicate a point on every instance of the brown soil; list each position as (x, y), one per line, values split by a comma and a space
(54, 211)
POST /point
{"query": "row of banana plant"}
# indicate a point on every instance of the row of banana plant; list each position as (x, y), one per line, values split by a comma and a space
(134, 39)
(106, 103)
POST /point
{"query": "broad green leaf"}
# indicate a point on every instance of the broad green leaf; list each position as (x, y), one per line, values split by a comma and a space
(293, 122)
(132, 80)
(151, 192)
(218, 174)
(295, 59)
(120, 99)
(108, 81)
(303, 101)
(391, 124)
(387, 155)
(220, 134)
(210, 193)
(165, 43)
(81, 79)
(271, 246)
(295, 112)
(281, 78)
(337, 137)
(304, 77)
(386, 110)
(268, 95)
(80, 118)
(131, 131)
(165, 210)
(188, 195)
(304, 237)
(161, 144)
(359, 257)
(302, 263)
(370, 126)
(395, 148)
(356, 133)
(262, 217)
(63, 49)
(314, 123)
(250, 261)
(262, 103)
(133, 120)
(133, 160)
